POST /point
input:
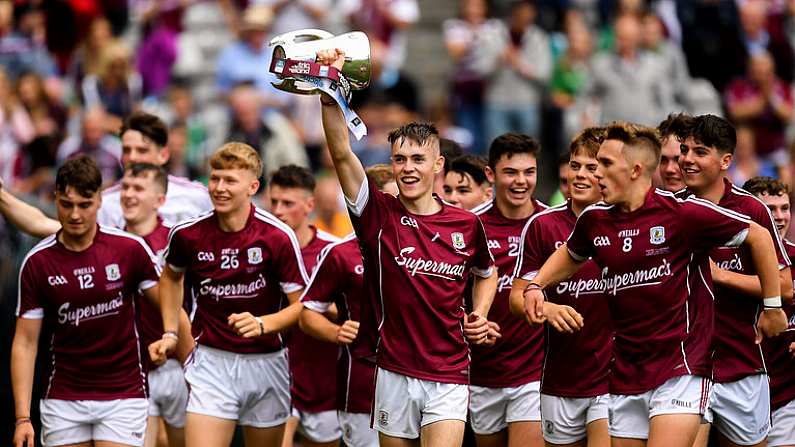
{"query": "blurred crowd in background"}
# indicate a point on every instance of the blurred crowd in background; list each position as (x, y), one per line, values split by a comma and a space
(71, 70)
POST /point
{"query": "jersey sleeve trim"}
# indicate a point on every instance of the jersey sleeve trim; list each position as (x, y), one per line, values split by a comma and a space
(290, 287)
(357, 207)
(177, 269)
(575, 256)
(529, 276)
(33, 314)
(272, 220)
(483, 273)
(317, 306)
(738, 239)
(146, 285)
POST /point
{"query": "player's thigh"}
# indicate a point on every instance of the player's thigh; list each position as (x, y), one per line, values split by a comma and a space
(597, 433)
(443, 433)
(271, 436)
(673, 430)
(208, 431)
(385, 440)
(525, 434)
(627, 442)
(175, 436)
(152, 427)
(111, 444)
(498, 439)
(723, 441)
(702, 438)
(289, 431)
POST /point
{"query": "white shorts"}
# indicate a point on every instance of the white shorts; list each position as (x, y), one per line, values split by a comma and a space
(403, 405)
(492, 409)
(629, 414)
(66, 422)
(740, 410)
(356, 431)
(319, 427)
(253, 389)
(565, 420)
(783, 430)
(168, 393)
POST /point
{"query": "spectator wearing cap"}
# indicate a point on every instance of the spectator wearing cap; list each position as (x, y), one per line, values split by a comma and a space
(247, 60)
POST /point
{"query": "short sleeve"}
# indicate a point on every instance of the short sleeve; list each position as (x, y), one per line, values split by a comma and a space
(325, 282)
(30, 303)
(531, 256)
(483, 261)
(289, 265)
(147, 270)
(707, 225)
(579, 244)
(177, 255)
(369, 211)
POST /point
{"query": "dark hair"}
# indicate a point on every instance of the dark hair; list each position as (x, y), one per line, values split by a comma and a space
(470, 164)
(149, 125)
(678, 125)
(766, 185)
(588, 141)
(449, 150)
(510, 144)
(81, 173)
(420, 133)
(714, 131)
(159, 174)
(293, 176)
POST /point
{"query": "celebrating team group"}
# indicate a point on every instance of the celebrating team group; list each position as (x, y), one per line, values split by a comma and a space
(628, 315)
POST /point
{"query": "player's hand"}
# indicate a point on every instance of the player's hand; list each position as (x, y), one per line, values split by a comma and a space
(771, 323)
(24, 435)
(247, 325)
(157, 352)
(492, 335)
(563, 318)
(334, 58)
(476, 328)
(534, 306)
(347, 332)
(792, 348)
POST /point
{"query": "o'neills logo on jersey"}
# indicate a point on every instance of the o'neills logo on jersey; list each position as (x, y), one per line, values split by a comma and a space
(419, 266)
(233, 291)
(92, 312)
(735, 264)
(581, 286)
(638, 278)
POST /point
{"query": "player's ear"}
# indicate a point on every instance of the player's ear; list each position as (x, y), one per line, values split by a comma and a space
(489, 174)
(638, 169)
(163, 154)
(253, 187)
(726, 161)
(438, 164)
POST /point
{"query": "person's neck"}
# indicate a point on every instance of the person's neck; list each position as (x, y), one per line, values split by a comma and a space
(422, 206)
(79, 243)
(305, 233)
(713, 192)
(515, 212)
(144, 227)
(636, 197)
(577, 207)
(628, 55)
(234, 220)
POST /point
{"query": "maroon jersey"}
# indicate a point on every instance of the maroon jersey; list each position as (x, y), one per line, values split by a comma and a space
(87, 300)
(312, 390)
(149, 317)
(575, 365)
(516, 358)
(736, 353)
(235, 272)
(651, 262)
(419, 267)
(338, 279)
(780, 363)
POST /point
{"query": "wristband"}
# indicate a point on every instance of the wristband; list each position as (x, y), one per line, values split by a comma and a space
(772, 302)
(21, 421)
(261, 326)
(170, 334)
(534, 286)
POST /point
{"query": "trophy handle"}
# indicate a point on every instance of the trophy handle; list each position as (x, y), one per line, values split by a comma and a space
(290, 38)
